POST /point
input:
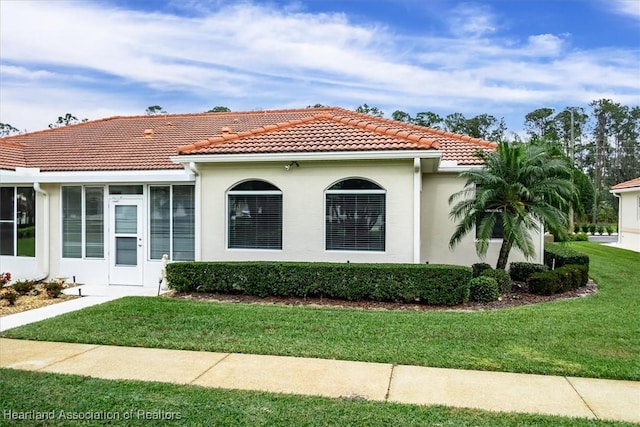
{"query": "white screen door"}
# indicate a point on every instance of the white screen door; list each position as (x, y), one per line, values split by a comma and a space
(126, 249)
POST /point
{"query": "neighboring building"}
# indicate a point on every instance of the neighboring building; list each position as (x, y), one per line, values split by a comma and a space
(628, 194)
(103, 201)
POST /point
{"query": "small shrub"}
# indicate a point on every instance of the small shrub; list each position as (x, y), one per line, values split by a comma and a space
(584, 228)
(520, 271)
(581, 237)
(501, 277)
(563, 279)
(484, 289)
(9, 294)
(23, 287)
(609, 229)
(556, 255)
(479, 267)
(600, 229)
(592, 229)
(53, 288)
(544, 283)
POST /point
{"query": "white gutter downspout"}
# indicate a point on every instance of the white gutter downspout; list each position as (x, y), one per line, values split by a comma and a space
(192, 169)
(619, 216)
(417, 191)
(45, 273)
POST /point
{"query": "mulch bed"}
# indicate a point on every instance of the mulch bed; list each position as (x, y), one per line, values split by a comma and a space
(30, 302)
(519, 296)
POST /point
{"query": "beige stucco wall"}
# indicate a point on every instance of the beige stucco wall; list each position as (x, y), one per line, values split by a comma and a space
(303, 208)
(437, 227)
(629, 220)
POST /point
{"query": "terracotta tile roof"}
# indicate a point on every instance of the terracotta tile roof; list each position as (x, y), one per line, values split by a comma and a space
(627, 184)
(11, 155)
(147, 142)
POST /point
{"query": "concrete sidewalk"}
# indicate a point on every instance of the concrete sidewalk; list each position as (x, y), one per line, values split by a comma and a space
(493, 391)
(91, 295)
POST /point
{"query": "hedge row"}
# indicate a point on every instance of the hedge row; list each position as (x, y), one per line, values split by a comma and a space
(556, 255)
(521, 271)
(425, 283)
(563, 279)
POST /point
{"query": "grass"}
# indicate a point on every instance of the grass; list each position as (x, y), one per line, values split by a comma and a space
(596, 336)
(137, 403)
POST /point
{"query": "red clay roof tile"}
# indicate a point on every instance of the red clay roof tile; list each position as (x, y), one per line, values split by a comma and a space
(632, 183)
(119, 143)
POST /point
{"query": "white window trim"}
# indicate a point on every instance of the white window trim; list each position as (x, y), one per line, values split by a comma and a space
(83, 229)
(327, 191)
(232, 192)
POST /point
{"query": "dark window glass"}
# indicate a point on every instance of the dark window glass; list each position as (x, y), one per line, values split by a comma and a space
(125, 189)
(160, 221)
(26, 221)
(355, 222)
(355, 184)
(94, 222)
(184, 222)
(255, 219)
(7, 221)
(72, 222)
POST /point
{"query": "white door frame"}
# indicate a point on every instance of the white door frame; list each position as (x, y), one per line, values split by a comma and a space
(126, 240)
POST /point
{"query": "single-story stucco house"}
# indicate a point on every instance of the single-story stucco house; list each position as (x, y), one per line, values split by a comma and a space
(628, 194)
(101, 202)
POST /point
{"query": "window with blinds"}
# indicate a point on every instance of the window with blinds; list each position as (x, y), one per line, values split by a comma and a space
(355, 216)
(82, 222)
(172, 222)
(254, 216)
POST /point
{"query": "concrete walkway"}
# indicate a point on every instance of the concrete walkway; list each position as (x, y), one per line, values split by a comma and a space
(91, 295)
(493, 391)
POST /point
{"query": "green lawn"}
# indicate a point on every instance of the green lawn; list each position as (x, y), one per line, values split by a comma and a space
(135, 403)
(595, 336)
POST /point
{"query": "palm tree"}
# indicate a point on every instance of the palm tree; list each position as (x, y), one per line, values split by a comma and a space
(518, 188)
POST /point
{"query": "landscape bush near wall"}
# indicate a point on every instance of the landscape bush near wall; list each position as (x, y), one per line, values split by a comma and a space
(556, 255)
(562, 279)
(424, 283)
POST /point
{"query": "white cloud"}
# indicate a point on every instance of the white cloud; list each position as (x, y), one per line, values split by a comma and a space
(95, 60)
(469, 19)
(630, 8)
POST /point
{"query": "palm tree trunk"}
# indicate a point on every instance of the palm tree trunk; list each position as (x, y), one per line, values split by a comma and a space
(504, 254)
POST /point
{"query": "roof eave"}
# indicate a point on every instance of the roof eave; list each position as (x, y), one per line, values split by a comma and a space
(624, 190)
(307, 156)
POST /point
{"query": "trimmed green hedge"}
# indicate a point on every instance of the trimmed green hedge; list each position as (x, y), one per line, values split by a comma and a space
(562, 279)
(501, 277)
(562, 256)
(425, 283)
(521, 271)
(484, 289)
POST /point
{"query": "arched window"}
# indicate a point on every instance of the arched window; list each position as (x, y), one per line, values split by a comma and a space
(355, 216)
(254, 216)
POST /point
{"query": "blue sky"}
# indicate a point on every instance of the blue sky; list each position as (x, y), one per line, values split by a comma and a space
(502, 57)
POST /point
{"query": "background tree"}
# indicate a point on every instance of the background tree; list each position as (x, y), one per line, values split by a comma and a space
(425, 118)
(6, 130)
(154, 110)
(219, 109)
(428, 119)
(316, 106)
(540, 124)
(518, 187)
(66, 120)
(373, 111)
(483, 126)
